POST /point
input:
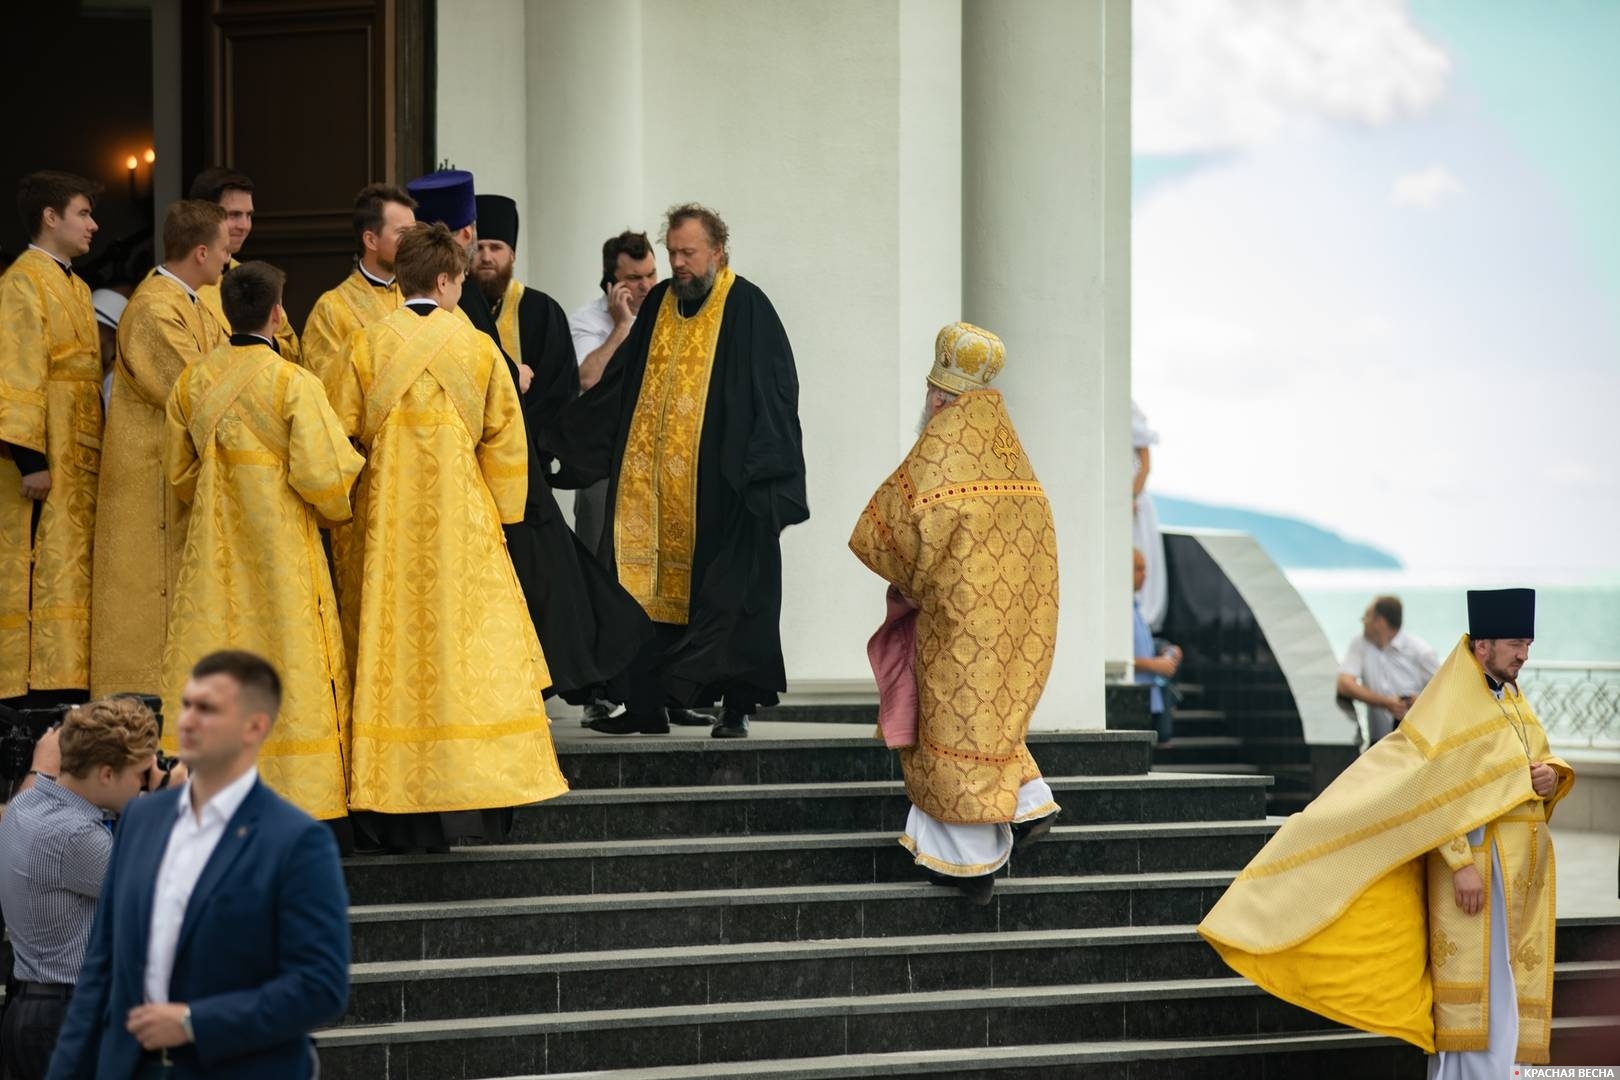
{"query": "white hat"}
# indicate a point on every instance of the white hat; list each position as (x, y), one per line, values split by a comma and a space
(109, 306)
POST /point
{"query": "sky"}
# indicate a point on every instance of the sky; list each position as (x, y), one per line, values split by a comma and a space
(1376, 272)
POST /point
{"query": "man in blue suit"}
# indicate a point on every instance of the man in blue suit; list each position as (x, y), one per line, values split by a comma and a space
(221, 937)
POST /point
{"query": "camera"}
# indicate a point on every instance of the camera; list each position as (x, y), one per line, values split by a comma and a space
(21, 730)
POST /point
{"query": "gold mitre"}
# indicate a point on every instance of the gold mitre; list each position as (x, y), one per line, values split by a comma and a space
(966, 357)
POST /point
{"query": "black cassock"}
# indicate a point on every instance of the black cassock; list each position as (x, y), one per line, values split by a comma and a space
(589, 628)
(751, 485)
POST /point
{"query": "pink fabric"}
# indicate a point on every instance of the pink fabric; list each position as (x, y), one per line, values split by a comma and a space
(892, 652)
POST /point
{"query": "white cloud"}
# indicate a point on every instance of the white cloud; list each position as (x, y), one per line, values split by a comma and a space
(1426, 189)
(1213, 75)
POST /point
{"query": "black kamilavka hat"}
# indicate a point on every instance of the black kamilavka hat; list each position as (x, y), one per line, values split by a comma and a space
(1501, 613)
(498, 219)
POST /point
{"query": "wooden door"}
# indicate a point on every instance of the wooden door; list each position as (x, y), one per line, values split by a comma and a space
(314, 99)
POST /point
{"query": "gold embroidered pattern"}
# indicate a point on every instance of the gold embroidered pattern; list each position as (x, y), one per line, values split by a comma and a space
(655, 516)
(977, 551)
(1460, 845)
(1441, 948)
(1528, 957)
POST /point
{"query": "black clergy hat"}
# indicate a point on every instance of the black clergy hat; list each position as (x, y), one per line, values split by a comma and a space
(445, 196)
(498, 219)
(1501, 613)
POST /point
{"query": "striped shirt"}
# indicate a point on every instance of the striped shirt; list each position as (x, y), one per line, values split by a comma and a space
(54, 850)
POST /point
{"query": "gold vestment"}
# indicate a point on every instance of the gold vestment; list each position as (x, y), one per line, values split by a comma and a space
(341, 313)
(139, 522)
(963, 530)
(255, 450)
(50, 401)
(506, 323)
(655, 513)
(286, 337)
(448, 712)
(1349, 910)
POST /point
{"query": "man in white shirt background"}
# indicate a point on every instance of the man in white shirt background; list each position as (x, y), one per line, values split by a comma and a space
(629, 271)
(1385, 668)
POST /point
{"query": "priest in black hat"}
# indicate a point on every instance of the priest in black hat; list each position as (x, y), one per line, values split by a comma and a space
(1415, 896)
(590, 629)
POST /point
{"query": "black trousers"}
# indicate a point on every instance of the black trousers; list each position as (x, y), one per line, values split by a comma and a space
(28, 1032)
(645, 695)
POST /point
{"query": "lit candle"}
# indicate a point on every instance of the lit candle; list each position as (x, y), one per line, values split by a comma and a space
(131, 163)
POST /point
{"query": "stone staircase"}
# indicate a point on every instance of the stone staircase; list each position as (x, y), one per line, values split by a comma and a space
(740, 909)
(1250, 729)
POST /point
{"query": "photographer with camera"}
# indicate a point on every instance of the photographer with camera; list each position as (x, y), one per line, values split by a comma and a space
(54, 847)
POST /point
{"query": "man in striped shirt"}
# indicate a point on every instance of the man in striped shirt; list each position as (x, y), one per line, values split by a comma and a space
(54, 847)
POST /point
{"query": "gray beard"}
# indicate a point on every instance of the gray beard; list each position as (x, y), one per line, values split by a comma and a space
(922, 421)
(695, 289)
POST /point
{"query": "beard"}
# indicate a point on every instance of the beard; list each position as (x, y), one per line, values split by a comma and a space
(493, 283)
(695, 288)
(922, 421)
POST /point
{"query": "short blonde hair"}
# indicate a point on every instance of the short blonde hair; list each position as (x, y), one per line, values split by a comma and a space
(116, 731)
(425, 252)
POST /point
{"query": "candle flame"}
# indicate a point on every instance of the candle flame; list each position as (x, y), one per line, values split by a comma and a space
(130, 163)
(151, 155)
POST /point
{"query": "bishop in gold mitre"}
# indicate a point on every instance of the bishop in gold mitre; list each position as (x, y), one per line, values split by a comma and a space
(449, 675)
(256, 452)
(233, 191)
(1414, 896)
(50, 446)
(140, 526)
(963, 534)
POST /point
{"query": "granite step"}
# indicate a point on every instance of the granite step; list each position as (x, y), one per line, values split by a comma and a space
(412, 990)
(1158, 1009)
(671, 864)
(566, 924)
(637, 761)
(1332, 1055)
(647, 812)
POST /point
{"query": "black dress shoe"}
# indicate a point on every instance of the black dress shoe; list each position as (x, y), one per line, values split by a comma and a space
(731, 725)
(1026, 833)
(689, 718)
(596, 710)
(629, 723)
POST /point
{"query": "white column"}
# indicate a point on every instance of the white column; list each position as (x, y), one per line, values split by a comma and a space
(167, 123)
(1045, 115)
(585, 82)
(482, 91)
(1118, 461)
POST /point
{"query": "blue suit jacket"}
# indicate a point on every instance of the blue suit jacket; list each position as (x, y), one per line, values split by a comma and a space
(263, 955)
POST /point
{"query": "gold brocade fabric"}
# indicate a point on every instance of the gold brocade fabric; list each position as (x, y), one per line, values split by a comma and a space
(1332, 916)
(139, 522)
(257, 453)
(963, 529)
(50, 401)
(655, 514)
(448, 713)
(286, 337)
(506, 323)
(341, 313)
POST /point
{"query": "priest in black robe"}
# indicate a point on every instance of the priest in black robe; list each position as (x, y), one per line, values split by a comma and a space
(695, 426)
(590, 629)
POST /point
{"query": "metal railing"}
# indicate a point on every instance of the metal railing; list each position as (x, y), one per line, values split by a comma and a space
(1578, 701)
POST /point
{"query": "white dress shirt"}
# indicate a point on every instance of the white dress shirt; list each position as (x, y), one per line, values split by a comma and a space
(1400, 669)
(590, 326)
(165, 271)
(191, 842)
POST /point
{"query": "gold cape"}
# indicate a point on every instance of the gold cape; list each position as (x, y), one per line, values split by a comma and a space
(286, 337)
(449, 674)
(140, 525)
(963, 529)
(1344, 909)
(50, 401)
(257, 453)
(507, 323)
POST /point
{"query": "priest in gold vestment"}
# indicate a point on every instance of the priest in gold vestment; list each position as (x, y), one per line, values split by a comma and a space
(233, 191)
(963, 534)
(449, 678)
(382, 213)
(1414, 897)
(256, 452)
(139, 523)
(50, 446)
